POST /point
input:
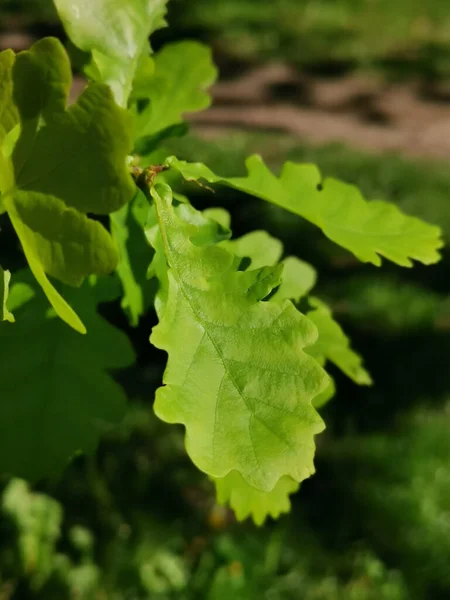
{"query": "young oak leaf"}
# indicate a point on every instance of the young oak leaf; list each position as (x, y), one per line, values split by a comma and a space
(334, 345)
(237, 376)
(299, 277)
(297, 280)
(65, 163)
(115, 33)
(246, 501)
(211, 227)
(183, 73)
(258, 247)
(326, 395)
(368, 229)
(66, 399)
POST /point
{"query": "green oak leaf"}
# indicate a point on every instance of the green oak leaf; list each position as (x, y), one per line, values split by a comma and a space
(237, 376)
(326, 395)
(5, 278)
(260, 248)
(116, 34)
(334, 345)
(58, 393)
(183, 72)
(368, 229)
(246, 501)
(128, 227)
(212, 227)
(65, 163)
(218, 214)
(298, 279)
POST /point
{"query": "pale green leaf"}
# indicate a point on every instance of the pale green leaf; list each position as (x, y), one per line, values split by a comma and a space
(66, 240)
(368, 229)
(334, 345)
(209, 230)
(80, 154)
(261, 249)
(325, 396)
(116, 33)
(183, 73)
(5, 278)
(297, 280)
(237, 377)
(246, 501)
(218, 214)
(65, 163)
(66, 399)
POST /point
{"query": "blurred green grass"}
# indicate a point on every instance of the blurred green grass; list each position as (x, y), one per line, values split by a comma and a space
(406, 37)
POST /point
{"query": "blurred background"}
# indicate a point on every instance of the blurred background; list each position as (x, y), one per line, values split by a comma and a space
(362, 88)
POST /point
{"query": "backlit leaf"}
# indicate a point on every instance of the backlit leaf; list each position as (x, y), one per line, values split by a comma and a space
(183, 72)
(334, 345)
(116, 33)
(261, 249)
(246, 501)
(65, 163)
(297, 281)
(211, 227)
(368, 229)
(237, 376)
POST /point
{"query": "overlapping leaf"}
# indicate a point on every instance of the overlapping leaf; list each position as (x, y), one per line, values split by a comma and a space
(183, 72)
(211, 227)
(247, 501)
(297, 279)
(128, 227)
(57, 396)
(237, 376)
(368, 229)
(334, 345)
(258, 247)
(115, 33)
(65, 163)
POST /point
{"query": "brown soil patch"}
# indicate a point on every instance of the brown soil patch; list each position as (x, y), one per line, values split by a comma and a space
(358, 111)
